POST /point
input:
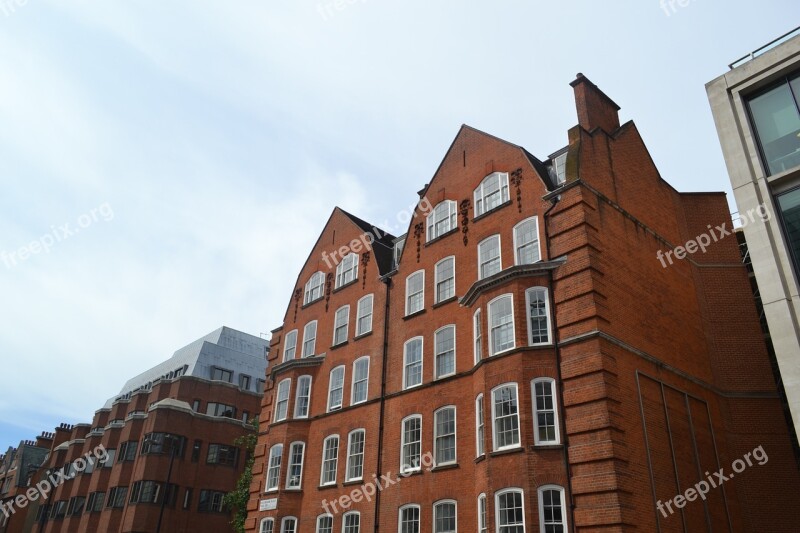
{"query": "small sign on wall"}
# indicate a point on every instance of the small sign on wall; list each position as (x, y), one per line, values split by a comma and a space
(268, 505)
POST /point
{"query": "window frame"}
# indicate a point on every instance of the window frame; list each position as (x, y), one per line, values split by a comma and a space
(491, 331)
(421, 340)
(535, 410)
(499, 258)
(436, 506)
(483, 513)
(264, 522)
(563, 503)
(284, 523)
(497, 513)
(350, 455)
(437, 436)
(437, 353)
(437, 281)
(432, 220)
(406, 467)
(337, 326)
(477, 336)
(270, 466)
(297, 396)
(495, 446)
(409, 507)
(331, 407)
(307, 340)
(282, 402)
(479, 197)
(421, 292)
(355, 381)
(335, 460)
(342, 270)
(528, 293)
(291, 463)
(310, 288)
(287, 346)
(537, 242)
(347, 515)
(328, 516)
(480, 426)
(360, 317)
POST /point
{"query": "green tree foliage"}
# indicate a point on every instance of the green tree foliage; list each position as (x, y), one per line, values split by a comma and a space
(237, 500)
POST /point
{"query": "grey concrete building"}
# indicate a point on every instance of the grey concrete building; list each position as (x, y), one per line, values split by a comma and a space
(756, 108)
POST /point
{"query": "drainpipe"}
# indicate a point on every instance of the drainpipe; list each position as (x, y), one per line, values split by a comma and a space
(561, 408)
(384, 360)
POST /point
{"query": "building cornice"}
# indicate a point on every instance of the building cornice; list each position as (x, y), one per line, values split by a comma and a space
(519, 271)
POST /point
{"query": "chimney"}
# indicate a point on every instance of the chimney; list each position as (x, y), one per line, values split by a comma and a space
(595, 108)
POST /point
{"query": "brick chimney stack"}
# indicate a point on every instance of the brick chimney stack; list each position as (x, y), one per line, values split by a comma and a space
(595, 108)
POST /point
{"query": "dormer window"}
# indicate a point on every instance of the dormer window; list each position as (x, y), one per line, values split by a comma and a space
(347, 270)
(560, 166)
(442, 219)
(491, 193)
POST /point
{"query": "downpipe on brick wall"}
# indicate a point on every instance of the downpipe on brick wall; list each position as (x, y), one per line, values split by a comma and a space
(561, 408)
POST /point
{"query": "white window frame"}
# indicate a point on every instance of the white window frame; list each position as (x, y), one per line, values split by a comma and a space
(517, 244)
(285, 522)
(539, 496)
(274, 461)
(350, 454)
(437, 281)
(322, 482)
(480, 196)
(560, 161)
(337, 325)
(480, 427)
(309, 340)
(491, 331)
(290, 344)
(422, 292)
(311, 287)
(360, 316)
(298, 397)
(348, 264)
(348, 515)
(282, 400)
(435, 217)
(421, 362)
(353, 399)
(331, 405)
(534, 398)
(495, 446)
(409, 507)
(483, 526)
(319, 518)
(477, 335)
(439, 503)
(436, 435)
(528, 294)
(497, 513)
(404, 466)
(262, 528)
(437, 353)
(499, 255)
(291, 463)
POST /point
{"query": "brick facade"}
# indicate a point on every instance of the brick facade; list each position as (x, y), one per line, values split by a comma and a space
(660, 370)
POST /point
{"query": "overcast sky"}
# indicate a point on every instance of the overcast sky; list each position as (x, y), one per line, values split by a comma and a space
(198, 148)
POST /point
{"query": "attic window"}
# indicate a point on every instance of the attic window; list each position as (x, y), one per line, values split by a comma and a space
(560, 166)
(491, 193)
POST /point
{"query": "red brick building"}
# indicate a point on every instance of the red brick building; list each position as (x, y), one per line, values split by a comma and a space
(553, 346)
(166, 441)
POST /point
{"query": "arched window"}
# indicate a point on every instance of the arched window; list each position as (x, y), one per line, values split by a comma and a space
(501, 324)
(347, 270)
(310, 339)
(552, 509)
(411, 444)
(444, 517)
(282, 400)
(526, 242)
(491, 193)
(505, 417)
(441, 220)
(314, 288)
(274, 467)
(509, 511)
(330, 460)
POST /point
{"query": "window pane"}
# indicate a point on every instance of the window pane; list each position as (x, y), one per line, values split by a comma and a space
(445, 435)
(445, 280)
(506, 416)
(527, 242)
(537, 316)
(415, 294)
(325, 524)
(364, 318)
(445, 351)
(412, 441)
(360, 380)
(309, 339)
(489, 256)
(445, 519)
(789, 205)
(501, 325)
(355, 457)
(409, 520)
(509, 512)
(777, 124)
(336, 388)
(413, 363)
(330, 460)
